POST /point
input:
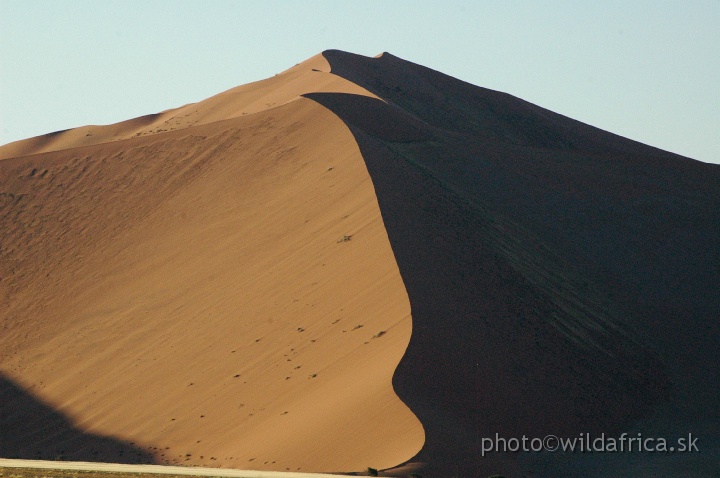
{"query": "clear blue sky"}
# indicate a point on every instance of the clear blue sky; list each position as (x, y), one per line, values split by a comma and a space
(648, 70)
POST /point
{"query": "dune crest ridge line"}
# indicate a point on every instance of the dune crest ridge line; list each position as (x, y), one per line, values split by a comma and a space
(287, 86)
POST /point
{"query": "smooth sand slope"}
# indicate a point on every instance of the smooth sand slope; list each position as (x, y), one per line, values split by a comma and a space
(241, 291)
(192, 293)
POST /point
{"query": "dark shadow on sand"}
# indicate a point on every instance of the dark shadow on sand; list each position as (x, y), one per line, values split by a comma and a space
(484, 357)
(31, 429)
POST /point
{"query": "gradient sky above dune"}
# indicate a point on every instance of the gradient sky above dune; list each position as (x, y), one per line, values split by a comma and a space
(648, 70)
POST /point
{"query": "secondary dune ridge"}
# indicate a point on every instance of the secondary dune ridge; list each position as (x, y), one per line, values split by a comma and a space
(555, 273)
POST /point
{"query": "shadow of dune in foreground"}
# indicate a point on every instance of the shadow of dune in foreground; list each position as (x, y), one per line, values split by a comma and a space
(31, 429)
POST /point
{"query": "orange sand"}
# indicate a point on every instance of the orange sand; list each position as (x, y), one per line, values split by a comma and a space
(191, 291)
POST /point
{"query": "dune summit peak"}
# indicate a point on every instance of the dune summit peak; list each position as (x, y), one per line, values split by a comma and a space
(359, 262)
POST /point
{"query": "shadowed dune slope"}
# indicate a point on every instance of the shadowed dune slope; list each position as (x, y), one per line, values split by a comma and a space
(561, 278)
(223, 295)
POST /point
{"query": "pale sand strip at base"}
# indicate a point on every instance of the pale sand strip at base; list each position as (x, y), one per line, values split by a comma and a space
(156, 469)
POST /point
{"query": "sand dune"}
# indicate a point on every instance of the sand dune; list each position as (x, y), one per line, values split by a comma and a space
(248, 281)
